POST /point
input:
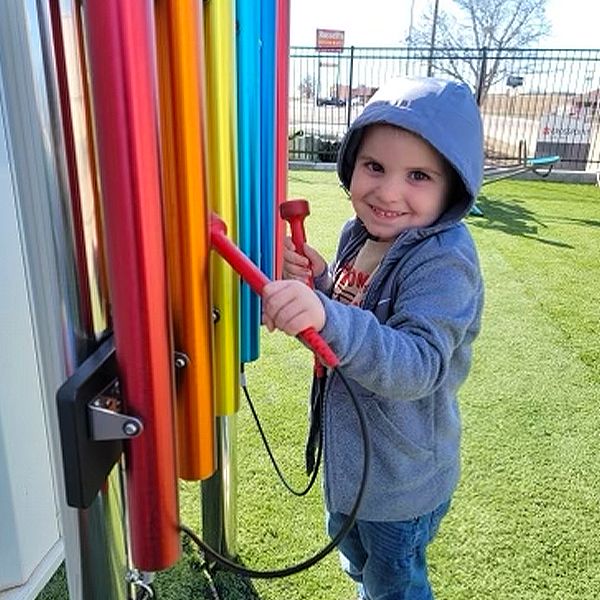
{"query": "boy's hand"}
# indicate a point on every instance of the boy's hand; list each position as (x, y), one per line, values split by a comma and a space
(296, 266)
(292, 307)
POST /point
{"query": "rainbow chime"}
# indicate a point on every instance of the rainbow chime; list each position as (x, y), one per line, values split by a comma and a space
(189, 116)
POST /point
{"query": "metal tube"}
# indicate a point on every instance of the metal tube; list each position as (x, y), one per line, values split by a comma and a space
(218, 493)
(120, 39)
(179, 38)
(219, 25)
(93, 538)
(248, 52)
(268, 159)
(219, 500)
(282, 42)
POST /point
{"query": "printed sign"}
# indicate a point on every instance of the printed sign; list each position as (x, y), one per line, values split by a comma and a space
(330, 40)
(564, 128)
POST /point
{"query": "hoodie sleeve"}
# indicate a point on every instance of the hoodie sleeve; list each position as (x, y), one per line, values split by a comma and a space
(436, 311)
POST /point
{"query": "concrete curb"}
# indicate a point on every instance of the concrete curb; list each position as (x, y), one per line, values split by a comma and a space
(555, 175)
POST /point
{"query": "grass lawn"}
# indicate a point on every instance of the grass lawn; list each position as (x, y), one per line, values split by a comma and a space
(525, 522)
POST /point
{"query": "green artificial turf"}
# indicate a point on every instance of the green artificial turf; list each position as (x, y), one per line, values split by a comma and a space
(525, 522)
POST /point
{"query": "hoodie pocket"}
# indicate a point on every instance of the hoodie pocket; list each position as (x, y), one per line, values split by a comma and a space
(409, 425)
(400, 460)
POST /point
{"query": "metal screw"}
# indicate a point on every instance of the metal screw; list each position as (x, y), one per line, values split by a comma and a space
(131, 428)
(182, 360)
(132, 576)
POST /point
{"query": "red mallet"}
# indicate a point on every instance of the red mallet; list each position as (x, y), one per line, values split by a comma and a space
(257, 280)
(294, 212)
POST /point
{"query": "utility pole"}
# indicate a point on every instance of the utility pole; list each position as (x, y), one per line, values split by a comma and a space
(409, 37)
(432, 43)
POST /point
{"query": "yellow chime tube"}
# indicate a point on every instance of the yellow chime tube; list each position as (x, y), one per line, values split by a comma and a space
(219, 27)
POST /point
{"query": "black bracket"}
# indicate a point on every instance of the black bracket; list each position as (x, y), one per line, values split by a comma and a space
(91, 427)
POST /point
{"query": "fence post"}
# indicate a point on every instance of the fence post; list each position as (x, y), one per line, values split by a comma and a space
(481, 76)
(349, 100)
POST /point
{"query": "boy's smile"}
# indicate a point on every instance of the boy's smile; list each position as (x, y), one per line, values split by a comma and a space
(399, 182)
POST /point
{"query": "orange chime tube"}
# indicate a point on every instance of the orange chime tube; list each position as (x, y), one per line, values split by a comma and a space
(180, 48)
(119, 38)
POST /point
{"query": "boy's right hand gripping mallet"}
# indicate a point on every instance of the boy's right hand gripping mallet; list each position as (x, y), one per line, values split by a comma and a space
(294, 212)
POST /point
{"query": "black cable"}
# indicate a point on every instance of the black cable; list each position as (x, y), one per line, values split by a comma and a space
(282, 478)
(272, 574)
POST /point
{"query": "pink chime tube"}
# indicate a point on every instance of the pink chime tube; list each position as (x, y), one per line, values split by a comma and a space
(281, 122)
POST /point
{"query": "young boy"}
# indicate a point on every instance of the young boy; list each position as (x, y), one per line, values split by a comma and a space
(401, 307)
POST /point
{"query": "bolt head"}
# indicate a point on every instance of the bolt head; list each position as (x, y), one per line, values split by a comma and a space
(131, 428)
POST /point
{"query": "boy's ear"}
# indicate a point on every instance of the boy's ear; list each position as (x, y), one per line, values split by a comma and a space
(347, 155)
(457, 191)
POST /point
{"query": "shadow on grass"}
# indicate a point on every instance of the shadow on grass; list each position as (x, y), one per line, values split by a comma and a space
(513, 218)
(234, 587)
(302, 179)
(187, 580)
(190, 579)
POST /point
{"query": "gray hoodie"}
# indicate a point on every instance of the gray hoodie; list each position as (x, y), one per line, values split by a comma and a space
(407, 348)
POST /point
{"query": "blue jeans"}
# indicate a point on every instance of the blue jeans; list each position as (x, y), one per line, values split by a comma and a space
(387, 559)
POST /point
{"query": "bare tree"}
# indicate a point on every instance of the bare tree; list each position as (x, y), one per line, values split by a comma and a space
(307, 87)
(497, 25)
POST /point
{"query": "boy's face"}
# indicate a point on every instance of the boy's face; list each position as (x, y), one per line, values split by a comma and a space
(399, 182)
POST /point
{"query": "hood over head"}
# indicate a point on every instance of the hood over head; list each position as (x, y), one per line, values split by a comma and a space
(442, 112)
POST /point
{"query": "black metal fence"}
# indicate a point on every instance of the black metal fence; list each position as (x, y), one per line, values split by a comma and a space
(534, 102)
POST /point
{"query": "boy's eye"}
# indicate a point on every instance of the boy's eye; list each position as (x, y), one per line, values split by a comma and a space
(419, 176)
(373, 165)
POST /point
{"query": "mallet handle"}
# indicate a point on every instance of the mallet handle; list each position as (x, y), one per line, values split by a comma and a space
(257, 280)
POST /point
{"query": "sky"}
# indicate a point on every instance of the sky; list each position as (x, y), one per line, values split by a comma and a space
(386, 22)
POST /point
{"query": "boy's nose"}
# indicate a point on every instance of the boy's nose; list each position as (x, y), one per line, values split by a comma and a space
(391, 191)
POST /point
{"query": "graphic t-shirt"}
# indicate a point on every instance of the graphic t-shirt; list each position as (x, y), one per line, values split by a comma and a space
(354, 278)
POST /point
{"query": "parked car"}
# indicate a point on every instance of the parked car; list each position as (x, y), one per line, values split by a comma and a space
(331, 101)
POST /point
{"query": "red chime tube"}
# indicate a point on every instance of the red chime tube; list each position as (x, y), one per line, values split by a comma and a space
(119, 38)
